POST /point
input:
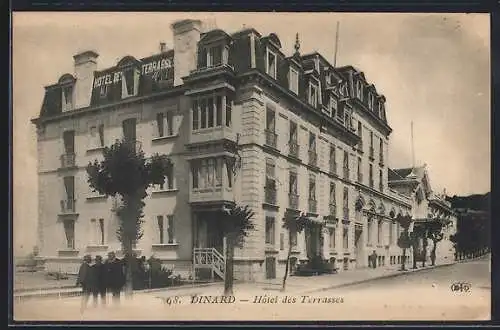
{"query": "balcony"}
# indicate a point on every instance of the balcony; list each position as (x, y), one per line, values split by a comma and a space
(211, 194)
(271, 138)
(333, 167)
(333, 210)
(293, 149)
(371, 153)
(346, 172)
(68, 160)
(293, 201)
(313, 206)
(313, 158)
(68, 206)
(203, 135)
(270, 196)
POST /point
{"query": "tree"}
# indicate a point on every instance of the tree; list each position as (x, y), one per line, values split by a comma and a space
(125, 174)
(293, 224)
(404, 241)
(434, 233)
(237, 222)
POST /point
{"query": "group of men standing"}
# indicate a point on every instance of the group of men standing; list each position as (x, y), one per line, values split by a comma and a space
(98, 278)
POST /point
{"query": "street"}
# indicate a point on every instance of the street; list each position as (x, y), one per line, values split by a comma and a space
(423, 295)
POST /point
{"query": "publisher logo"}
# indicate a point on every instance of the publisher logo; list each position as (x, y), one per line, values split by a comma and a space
(460, 287)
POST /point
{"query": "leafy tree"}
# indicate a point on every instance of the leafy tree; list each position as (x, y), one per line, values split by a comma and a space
(125, 174)
(293, 225)
(237, 223)
(404, 240)
(434, 230)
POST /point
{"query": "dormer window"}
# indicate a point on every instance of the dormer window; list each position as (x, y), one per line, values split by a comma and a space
(103, 91)
(313, 95)
(67, 98)
(130, 83)
(381, 110)
(333, 106)
(294, 80)
(271, 63)
(359, 90)
(371, 101)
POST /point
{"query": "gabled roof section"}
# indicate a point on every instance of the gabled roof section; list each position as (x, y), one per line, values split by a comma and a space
(214, 36)
(128, 61)
(66, 78)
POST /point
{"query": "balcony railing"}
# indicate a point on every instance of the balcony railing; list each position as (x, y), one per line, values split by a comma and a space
(293, 149)
(346, 173)
(333, 167)
(333, 210)
(313, 158)
(270, 195)
(345, 215)
(271, 138)
(67, 160)
(313, 205)
(293, 201)
(68, 205)
(371, 153)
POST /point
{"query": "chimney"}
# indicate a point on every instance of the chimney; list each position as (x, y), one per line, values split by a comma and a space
(186, 36)
(163, 47)
(85, 63)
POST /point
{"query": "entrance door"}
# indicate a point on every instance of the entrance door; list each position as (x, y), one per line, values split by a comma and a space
(270, 268)
(358, 248)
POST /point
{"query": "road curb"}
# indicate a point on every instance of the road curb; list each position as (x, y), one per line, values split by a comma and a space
(399, 273)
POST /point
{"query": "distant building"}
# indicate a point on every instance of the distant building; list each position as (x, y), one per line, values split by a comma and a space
(242, 123)
(426, 206)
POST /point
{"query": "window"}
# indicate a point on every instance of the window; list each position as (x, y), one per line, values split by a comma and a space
(294, 80)
(391, 234)
(369, 231)
(379, 232)
(371, 144)
(381, 151)
(341, 114)
(370, 173)
(270, 174)
(169, 179)
(270, 230)
(292, 183)
(332, 193)
(313, 95)
(293, 132)
(129, 129)
(382, 111)
(160, 122)
(331, 242)
(345, 237)
(370, 101)
(130, 83)
(210, 112)
(359, 90)
(346, 203)
(333, 106)
(207, 173)
(103, 91)
(218, 109)
(165, 124)
(333, 160)
(69, 142)
(312, 142)
(203, 113)
(196, 120)
(360, 173)
(97, 231)
(360, 134)
(67, 94)
(229, 106)
(96, 137)
(346, 165)
(229, 171)
(214, 56)
(166, 230)
(270, 120)
(69, 233)
(271, 64)
(380, 180)
(69, 187)
(312, 188)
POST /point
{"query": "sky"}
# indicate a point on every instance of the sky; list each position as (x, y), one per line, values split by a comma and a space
(434, 70)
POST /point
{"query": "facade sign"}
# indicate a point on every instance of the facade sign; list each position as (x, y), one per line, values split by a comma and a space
(153, 68)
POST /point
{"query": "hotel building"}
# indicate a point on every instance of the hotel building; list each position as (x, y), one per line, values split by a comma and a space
(242, 123)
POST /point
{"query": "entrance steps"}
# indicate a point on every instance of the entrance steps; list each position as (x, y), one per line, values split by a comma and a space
(208, 261)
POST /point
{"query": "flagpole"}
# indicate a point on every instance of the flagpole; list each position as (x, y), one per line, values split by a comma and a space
(336, 45)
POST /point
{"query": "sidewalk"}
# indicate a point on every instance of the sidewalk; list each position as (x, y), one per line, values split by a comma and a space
(294, 285)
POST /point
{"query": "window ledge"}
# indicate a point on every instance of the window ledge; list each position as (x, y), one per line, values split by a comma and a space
(97, 197)
(96, 149)
(97, 247)
(165, 138)
(210, 129)
(167, 245)
(165, 191)
(68, 251)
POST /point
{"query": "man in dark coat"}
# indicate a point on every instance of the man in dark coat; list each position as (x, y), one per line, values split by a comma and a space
(99, 281)
(115, 276)
(374, 259)
(84, 280)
